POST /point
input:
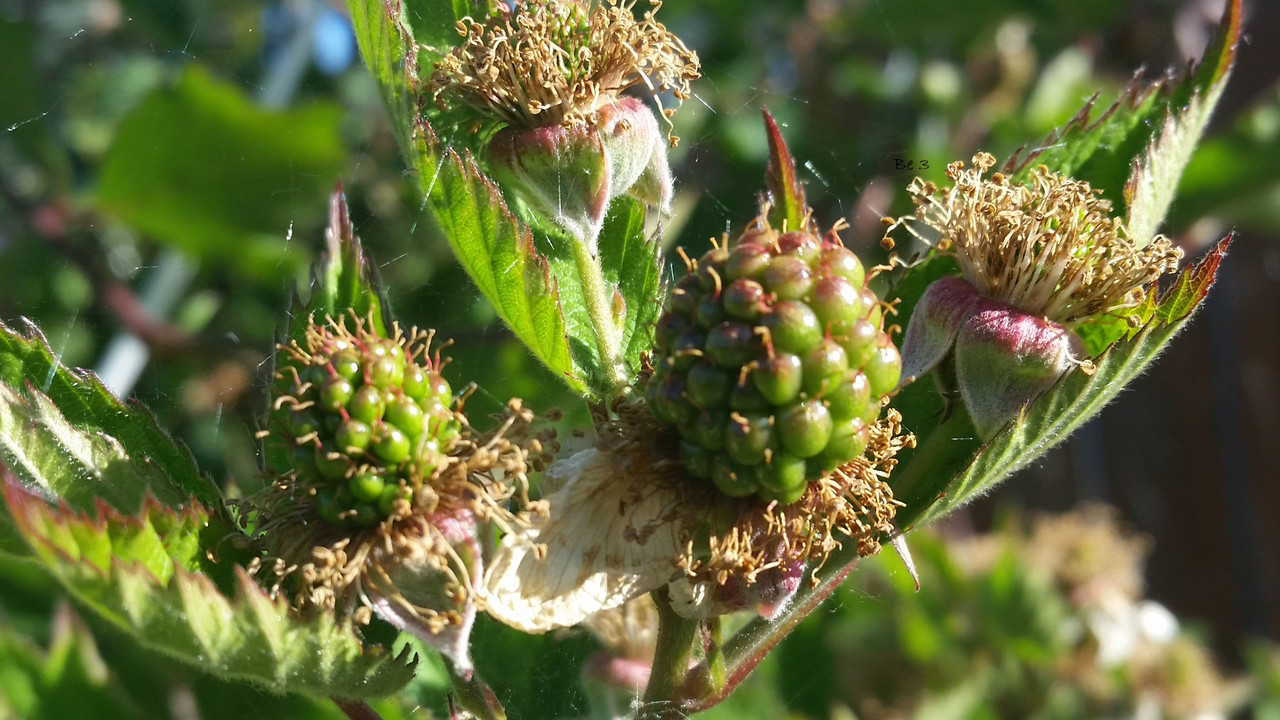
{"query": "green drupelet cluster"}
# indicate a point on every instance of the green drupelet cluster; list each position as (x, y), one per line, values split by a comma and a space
(367, 420)
(771, 362)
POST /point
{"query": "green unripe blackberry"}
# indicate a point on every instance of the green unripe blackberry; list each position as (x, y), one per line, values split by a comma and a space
(771, 361)
(779, 377)
(353, 436)
(406, 414)
(749, 438)
(365, 420)
(366, 486)
(784, 477)
(336, 392)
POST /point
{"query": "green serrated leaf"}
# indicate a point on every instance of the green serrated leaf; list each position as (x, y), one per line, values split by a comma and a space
(64, 432)
(930, 487)
(496, 250)
(1154, 180)
(384, 38)
(500, 255)
(1101, 150)
(632, 262)
(62, 461)
(555, 248)
(115, 564)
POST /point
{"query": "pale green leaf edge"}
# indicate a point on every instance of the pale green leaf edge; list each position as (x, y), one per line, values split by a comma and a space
(62, 461)
(100, 428)
(110, 564)
(1154, 181)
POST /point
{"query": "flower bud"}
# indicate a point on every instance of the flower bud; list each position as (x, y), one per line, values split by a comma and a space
(570, 172)
(1037, 260)
(1004, 357)
(553, 73)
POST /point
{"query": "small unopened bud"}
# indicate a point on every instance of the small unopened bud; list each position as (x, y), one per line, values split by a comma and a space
(1006, 357)
(560, 171)
(570, 172)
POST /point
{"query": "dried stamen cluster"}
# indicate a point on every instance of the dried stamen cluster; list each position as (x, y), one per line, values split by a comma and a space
(1050, 247)
(556, 62)
(1037, 260)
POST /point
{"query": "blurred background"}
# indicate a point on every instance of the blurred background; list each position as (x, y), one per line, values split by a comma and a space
(164, 173)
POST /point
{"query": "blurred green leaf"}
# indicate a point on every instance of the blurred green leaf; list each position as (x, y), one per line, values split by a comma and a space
(1233, 174)
(251, 174)
(62, 431)
(21, 112)
(69, 680)
(137, 572)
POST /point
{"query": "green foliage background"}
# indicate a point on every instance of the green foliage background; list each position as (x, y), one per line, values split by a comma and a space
(136, 134)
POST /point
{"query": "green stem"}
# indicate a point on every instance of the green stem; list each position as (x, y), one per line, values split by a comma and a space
(356, 709)
(715, 654)
(600, 310)
(473, 694)
(670, 662)
(750, 645)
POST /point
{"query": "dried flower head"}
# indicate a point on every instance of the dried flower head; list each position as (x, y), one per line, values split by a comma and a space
(383, 518)
(629, 519)
(557, 62)
(1037, 260)
(1049, 247)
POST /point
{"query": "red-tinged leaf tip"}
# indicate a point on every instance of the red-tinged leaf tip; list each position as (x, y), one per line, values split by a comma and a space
(1135, 95)
(1192, 285)
(1220, 56)
(340, 231)
(785, 190)
(1206, 271)
(34, 515)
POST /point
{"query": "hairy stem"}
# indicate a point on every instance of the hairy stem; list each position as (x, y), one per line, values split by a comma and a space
(356, 709)
(711, 682)
(670, 662)
(473, 694)
(600, 310)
